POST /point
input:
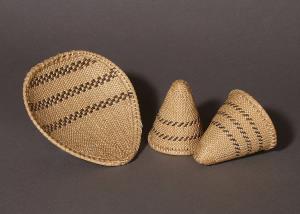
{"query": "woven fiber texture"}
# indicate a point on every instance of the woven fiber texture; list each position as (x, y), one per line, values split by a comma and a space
(177, 128)
(86, 105)
(241, 127)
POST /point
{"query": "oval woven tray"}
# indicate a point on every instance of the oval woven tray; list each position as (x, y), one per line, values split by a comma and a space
(86, 105)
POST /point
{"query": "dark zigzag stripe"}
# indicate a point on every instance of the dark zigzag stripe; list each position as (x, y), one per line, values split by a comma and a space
(250, 120)
(74, 66)
(230, 136)
(86, 111)
(76, 90)
(175, 138)
(239, 127)
(176, 123)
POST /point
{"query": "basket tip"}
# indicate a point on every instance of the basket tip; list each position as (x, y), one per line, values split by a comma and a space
(238, 91)
(180, 85)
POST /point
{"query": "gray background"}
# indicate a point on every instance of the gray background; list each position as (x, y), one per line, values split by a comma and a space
(215, 45)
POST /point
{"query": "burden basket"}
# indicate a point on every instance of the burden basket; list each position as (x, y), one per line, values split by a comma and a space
(241, 127)
(177, 128)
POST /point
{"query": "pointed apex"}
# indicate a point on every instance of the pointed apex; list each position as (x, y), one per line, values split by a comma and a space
(179, 102)
(180, 87)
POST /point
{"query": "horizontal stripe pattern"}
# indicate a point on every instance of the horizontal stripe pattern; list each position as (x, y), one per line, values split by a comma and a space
(175, 138)
(76, 90)
(177, 123)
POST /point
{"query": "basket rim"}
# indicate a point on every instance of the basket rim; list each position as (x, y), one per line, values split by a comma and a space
(265, 116)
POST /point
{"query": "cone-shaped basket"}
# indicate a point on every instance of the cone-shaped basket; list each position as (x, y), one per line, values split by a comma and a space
(85, 104)
(177, 128)
(241, 127)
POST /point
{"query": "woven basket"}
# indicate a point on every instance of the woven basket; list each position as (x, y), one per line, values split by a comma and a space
(241, 127)
(177, 129)
(85, 104)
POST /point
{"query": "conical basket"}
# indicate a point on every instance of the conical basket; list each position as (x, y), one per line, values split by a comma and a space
(85, 104)
(177, 128)
(241, 127)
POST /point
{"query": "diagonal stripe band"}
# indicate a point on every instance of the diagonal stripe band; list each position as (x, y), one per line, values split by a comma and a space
(251, 122)
(230, 137)
(48, 128)
(59, 72)
(239, 127)
(71, 92)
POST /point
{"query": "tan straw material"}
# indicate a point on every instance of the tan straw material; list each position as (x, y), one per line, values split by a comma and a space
(177, 128)
(241, 127)
(85, 104)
